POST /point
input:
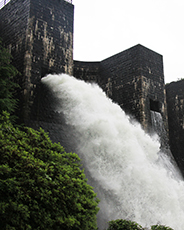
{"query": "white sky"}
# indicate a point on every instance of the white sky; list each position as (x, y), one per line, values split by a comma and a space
(103, 28)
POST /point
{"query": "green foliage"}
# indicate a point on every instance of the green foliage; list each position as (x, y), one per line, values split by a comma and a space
(160, 227)
(123, 225)
(41, 186)
(7, 85)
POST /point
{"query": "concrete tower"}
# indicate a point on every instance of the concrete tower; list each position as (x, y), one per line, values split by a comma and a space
(39, 35)
(134, 79)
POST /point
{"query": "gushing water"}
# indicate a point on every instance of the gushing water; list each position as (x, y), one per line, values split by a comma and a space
(120, 159)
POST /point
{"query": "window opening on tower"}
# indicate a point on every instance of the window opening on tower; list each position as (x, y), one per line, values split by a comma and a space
(154, 106)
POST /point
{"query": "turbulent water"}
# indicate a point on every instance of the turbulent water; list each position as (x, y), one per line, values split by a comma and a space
(120, 159)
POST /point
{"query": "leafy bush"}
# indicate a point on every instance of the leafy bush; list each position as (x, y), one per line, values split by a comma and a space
(123, 225)
(41, 186)
(160, 227)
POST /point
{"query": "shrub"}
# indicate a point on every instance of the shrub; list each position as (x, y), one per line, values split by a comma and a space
(160, 227)
(41, 186)
(123, 225)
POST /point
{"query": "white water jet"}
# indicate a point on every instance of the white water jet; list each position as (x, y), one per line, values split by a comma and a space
(120, 159)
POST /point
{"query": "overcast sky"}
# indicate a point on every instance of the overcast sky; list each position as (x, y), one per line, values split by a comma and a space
(103, 28)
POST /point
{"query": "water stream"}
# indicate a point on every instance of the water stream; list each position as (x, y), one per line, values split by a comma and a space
(121, 161)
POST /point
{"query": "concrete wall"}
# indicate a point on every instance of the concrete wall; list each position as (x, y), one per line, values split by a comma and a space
(13, 26)
(133, 78)
(14, 18)
(175, 105)
(39, 34)
(87, 71)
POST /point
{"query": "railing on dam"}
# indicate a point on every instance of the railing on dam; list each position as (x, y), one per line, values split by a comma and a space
(3, 3)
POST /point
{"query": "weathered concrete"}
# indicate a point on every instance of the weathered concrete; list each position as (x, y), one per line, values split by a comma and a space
(134, 79)
(87, 71)
(39, 34)
(175, 104)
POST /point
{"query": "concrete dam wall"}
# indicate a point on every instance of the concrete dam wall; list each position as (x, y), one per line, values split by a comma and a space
(39, 35)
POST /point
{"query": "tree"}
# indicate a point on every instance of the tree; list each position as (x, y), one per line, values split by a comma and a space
(41, 186)
(7, 85)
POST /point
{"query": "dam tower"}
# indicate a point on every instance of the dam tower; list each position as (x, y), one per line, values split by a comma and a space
(39, 35)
